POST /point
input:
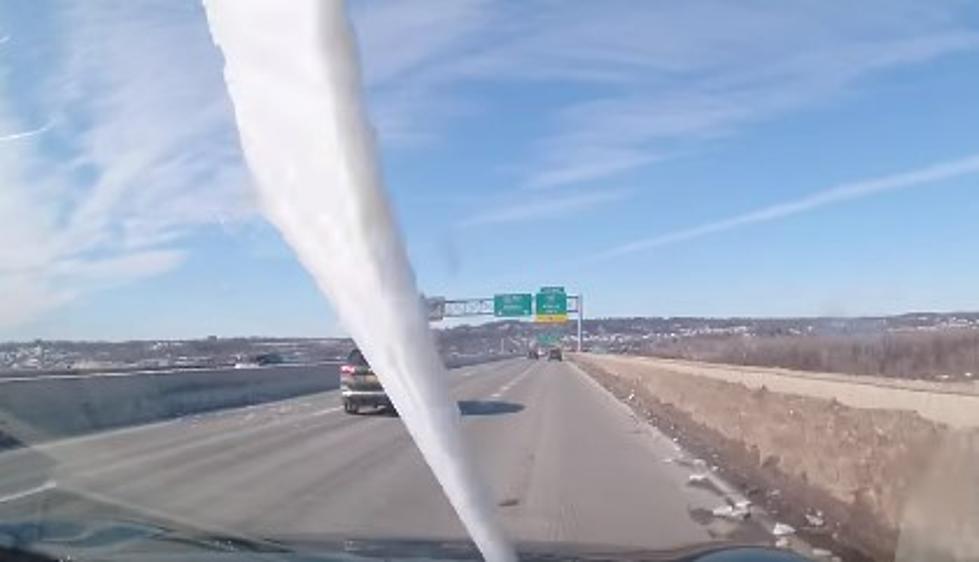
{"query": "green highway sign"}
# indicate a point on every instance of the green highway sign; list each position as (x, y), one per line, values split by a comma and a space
(513, 304)
(552, 305)
(546, 339)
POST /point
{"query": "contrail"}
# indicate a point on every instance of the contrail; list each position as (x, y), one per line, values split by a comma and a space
(837, 194)
(545, 208)
(25, 134)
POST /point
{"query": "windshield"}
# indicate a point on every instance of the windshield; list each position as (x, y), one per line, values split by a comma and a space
(576, 278)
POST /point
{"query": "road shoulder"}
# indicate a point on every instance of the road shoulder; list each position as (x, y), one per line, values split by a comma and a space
(775, 496)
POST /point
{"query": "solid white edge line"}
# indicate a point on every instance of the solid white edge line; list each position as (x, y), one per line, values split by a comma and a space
(731, 495)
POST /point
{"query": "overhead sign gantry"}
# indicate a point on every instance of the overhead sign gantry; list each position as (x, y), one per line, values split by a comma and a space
(550, 305)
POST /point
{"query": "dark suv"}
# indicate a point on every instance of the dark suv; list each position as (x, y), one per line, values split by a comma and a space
(359, 385)
(554, 354)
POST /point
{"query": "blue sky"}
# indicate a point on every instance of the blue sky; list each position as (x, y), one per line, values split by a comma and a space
(664, 158)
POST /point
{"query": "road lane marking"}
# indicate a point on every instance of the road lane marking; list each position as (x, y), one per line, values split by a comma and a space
(244, 420)
(656, 438)
(506, 387)
(95, 465)
(326, 411)
(49, 485)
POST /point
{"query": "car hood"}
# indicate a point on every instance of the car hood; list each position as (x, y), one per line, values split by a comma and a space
(72, 526)
(137, 541)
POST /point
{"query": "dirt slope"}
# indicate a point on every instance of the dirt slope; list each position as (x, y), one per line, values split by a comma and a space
(852, 467)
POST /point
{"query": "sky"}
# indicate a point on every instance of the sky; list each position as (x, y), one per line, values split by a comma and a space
(757, 158)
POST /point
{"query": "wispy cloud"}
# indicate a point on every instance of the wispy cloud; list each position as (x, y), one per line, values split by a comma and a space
(144, 151)
(546, 208)
(25, 134)
(751, 83)
(660, 76)
(831, 196)
(590, 164)
(400, 44)
(145, 146)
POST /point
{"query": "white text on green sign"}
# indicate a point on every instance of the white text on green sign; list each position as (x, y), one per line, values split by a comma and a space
(513, 304)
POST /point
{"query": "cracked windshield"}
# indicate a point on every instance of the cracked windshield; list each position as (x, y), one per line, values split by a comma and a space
(470, 280)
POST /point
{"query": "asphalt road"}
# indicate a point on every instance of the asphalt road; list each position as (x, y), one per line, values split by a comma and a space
(566, 463)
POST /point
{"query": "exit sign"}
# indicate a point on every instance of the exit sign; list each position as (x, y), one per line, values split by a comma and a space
(552, 305)
(513, 305)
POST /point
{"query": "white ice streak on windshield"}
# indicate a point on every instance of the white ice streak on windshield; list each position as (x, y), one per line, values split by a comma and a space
(294, 81)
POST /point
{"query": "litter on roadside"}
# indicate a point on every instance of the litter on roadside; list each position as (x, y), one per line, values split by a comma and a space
(730, 512)
(782, 542)
(696, 478)
(821, 553)
(782, 530)
(815, 519)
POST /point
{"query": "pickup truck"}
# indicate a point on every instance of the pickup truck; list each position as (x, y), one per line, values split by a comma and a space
(359, 386)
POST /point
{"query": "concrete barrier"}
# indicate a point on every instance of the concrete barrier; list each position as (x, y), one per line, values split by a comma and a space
(49, 408)
(43, 407)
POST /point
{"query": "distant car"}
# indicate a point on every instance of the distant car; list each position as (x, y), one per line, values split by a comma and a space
(269, 359)
(359, 386)
(554, 354)
(533, 354)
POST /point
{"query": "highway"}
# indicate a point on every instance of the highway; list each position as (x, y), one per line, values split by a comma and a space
(567, 463)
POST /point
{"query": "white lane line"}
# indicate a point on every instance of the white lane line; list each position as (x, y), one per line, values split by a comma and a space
(232, 415)
(90, 466)
(506, 387)
(49, 485)
(657, 438)
(326, 411)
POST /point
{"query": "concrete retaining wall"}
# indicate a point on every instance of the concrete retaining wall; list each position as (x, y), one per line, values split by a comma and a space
(40, 408)
(50, 408)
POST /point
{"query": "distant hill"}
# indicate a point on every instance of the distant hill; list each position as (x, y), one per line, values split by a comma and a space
(692, 337)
